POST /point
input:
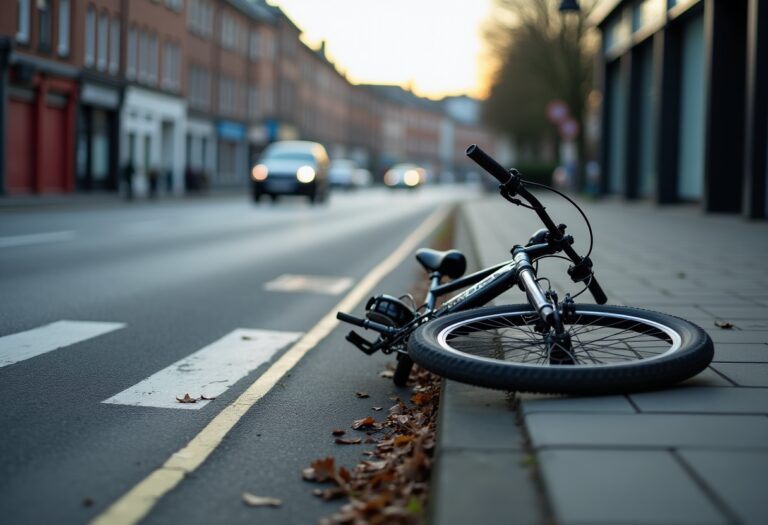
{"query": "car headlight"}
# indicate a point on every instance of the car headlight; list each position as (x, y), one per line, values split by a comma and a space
(259, 172)
(305, 174)
(411, 178)
(390, 178)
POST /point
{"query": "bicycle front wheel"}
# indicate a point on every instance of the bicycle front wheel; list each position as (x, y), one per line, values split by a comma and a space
(613, 349)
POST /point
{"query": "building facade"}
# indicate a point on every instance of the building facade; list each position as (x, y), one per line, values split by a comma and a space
(685, 102)
(150, 97)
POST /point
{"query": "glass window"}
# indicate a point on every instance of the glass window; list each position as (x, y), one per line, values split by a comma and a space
(90, 36)
(131, 54)
(153, 59)
(22, 22)
(44, 24)
(254, 45)
(64, 27)
(114, 46)
(103, 45)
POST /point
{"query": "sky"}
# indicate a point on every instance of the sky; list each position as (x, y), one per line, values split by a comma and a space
(432, 46)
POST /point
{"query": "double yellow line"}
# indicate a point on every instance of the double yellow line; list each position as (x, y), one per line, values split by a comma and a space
(138, 502)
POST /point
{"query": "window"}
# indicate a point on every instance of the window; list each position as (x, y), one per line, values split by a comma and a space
(90, 36)
(176, 5)
(131, 53)
(171, 65)
(143, 56)
(63, 27)
(253, 103)
(200, 17)
(103, 44)
(152, 62)
(22, 22)
(253, 48)
(199, 87)
(114, 46)
(44, 24)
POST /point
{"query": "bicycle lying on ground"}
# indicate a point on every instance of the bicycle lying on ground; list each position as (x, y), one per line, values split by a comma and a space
(545, 345)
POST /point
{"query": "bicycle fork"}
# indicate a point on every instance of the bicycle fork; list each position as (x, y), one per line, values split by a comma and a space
(556, 339)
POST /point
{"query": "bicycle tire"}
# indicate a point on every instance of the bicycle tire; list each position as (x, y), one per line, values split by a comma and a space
(454, 346)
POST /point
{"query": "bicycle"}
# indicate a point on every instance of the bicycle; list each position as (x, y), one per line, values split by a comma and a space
(545, 345)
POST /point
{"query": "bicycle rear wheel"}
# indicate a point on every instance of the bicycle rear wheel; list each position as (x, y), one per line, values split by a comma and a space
(614, 349)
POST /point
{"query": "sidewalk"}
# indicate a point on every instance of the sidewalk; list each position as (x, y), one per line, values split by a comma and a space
(697, 453)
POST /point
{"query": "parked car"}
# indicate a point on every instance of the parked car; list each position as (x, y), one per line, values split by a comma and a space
(405, 176)
(291, 167)
(342, 173)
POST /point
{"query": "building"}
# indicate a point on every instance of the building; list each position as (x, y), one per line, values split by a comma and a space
(685, 102)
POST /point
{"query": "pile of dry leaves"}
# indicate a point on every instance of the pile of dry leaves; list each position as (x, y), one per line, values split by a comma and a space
(390, 484)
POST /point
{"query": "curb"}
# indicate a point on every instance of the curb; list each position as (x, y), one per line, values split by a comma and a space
(483, 472)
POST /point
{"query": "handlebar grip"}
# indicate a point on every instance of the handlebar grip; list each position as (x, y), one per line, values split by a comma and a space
(351, 319)
(597, 291)
(488, 163)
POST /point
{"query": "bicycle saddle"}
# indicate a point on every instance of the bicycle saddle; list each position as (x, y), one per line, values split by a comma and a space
(451, 262)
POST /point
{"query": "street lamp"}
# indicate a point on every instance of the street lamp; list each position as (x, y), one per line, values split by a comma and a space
(569, 5)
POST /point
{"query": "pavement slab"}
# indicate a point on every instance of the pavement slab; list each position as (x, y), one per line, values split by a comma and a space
(704, 400)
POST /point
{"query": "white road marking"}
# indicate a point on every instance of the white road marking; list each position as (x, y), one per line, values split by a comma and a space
(36, 238)
(309, 283)
(208, 372)
(23, 345)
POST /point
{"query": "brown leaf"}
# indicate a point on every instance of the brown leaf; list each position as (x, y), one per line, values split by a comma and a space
(725, 325)
(401, 440)
(186, 399)
(321, 470)
(203, 398)
(345, 475)
(338, 432)
(260, 501)
(349, 441)
(368, 421)
(362, 395)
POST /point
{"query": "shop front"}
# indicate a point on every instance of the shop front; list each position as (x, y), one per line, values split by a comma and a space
(98, 164)
(232, 154)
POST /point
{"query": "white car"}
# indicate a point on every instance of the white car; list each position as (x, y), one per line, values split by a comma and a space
(405, 176)
(342, 173)
(291, 167)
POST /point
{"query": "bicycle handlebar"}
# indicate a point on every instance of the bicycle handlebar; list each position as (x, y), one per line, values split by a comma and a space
(490, 165)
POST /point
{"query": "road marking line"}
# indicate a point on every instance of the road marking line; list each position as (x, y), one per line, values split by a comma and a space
(24, 345)
(309, 283)
(141, 499)
(36, 238)
(210, 371)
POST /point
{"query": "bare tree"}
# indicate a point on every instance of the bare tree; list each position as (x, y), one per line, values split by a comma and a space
(542, 55)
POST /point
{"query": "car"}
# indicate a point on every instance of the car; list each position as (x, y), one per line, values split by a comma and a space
(342, 173)
(291, 167)
(405, 176)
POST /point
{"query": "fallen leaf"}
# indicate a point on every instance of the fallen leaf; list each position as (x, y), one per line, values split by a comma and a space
(260, 501)
(725, 325)
(349, 441)
(203, 398)
(88, 502)
(321, 470)
(377, 409)
(368, 421)
(246, 338)
(338, 432)
(401, 440)
(187, 399)
(362, 395)
(345, 475)
(387, 374)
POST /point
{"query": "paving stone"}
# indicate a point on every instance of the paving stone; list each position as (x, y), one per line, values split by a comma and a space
(737, 312)
(533, 403)
(477, 418)
(648, 430)
(707, 377)
(704, 400)
(719, 335)
(739, 478)
(476, 487)
(614, 487)
(753, 353)
(745, 374)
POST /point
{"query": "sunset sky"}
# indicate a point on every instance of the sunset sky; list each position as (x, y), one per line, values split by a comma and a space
(435, 46)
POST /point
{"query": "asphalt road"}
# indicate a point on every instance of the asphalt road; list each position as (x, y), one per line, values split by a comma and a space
(172, 278)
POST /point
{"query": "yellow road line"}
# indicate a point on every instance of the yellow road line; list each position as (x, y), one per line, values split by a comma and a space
(139, 501)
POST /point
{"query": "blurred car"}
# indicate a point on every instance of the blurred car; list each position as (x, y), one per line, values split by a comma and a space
(362, 178)
(405, 176)
(291, 167)
(342, 173)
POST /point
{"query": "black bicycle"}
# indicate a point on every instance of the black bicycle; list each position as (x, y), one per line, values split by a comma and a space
(545, 345)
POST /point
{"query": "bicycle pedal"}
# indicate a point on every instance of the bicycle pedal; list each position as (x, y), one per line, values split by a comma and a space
(361, 343)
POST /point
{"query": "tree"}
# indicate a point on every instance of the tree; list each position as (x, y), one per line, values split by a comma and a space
(542, 55)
